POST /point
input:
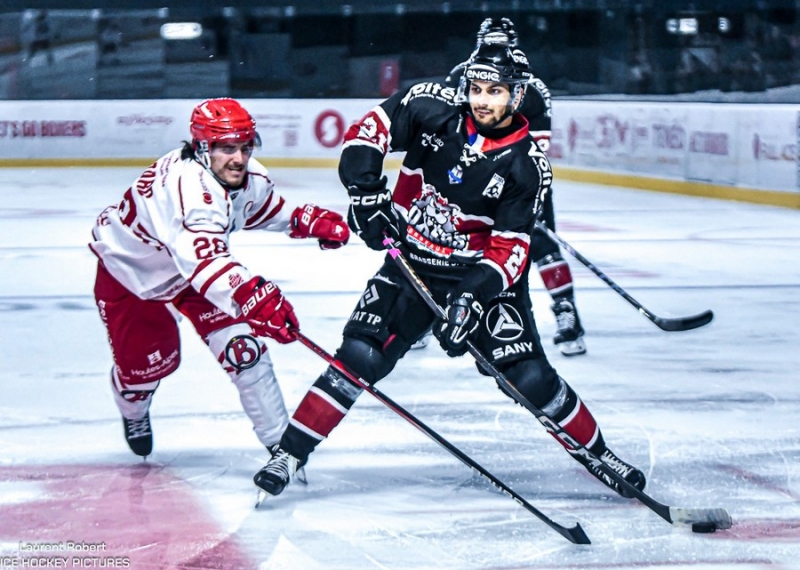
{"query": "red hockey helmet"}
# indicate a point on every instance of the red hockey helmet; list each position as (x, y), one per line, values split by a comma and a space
(224, 119)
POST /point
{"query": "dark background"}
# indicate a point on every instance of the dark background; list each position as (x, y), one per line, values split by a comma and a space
(85, 50)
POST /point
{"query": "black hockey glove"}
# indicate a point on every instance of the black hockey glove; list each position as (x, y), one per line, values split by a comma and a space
(371, 213)
(463, 317)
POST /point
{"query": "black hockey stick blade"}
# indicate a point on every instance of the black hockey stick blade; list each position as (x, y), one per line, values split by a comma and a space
(676, 516)
(574, 534)
(678, 324)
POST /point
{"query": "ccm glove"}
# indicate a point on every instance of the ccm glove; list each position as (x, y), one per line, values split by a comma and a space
(311, 221)
(266, 310)
(371, 213)
(463, 317)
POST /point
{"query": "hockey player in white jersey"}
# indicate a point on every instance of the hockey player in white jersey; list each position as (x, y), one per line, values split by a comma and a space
(164, 250)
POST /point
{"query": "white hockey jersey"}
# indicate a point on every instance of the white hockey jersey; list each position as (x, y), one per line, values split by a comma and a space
(172, 227)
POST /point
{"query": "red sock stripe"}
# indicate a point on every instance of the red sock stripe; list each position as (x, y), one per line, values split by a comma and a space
(317, 414)
(556, 275)
(581, 425)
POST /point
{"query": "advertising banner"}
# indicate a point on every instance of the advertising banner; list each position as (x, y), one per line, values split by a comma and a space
(748, 146)
(745, 146)
(289, 128)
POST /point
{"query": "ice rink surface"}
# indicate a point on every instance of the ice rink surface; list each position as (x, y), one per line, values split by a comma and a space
(712, 416)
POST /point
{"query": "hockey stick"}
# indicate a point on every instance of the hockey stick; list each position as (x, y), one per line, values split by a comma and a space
(707, 520)
(575, 534)
(665, 324)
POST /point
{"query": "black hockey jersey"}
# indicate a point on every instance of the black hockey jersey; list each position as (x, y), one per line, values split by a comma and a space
(467, 200)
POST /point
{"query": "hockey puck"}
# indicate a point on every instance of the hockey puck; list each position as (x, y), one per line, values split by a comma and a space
(704, 527)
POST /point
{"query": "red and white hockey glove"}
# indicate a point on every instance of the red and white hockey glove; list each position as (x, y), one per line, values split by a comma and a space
(266, 310)
(313, 221)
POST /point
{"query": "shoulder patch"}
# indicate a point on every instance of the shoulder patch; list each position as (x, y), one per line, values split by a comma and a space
(495, 186)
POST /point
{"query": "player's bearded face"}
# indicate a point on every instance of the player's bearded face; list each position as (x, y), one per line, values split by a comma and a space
(489, 102)
(229, 161)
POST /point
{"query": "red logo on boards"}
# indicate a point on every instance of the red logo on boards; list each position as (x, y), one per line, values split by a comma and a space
(329, 128)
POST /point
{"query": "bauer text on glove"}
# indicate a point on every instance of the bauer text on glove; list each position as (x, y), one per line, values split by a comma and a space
(328, 227)
(266, 310)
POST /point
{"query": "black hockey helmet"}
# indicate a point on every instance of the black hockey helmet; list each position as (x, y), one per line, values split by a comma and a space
(493, 31)
(498, 64)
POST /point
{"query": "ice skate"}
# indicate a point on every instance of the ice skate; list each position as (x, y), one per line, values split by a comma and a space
(279, 471)
(139, 435)
(569, 337)
(135, 404)
(632, 475)
(300, 474)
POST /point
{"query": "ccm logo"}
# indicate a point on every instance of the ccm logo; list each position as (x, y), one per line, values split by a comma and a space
(371, 199)
(258, 295)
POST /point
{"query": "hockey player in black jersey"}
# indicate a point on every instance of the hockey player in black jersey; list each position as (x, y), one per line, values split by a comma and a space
(470, 186)
(553, 268)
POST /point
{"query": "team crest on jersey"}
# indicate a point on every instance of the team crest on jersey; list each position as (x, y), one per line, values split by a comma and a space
(495, 187)
(432, 223)
(504, 323)
(455, 175)
(234, 280)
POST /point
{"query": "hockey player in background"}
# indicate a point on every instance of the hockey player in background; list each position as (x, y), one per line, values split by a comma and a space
(553, 268)
(463, 207)
(164, 251)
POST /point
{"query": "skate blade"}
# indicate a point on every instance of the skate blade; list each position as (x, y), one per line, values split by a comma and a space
(300, 475)
(262, 495)
(572, 347)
